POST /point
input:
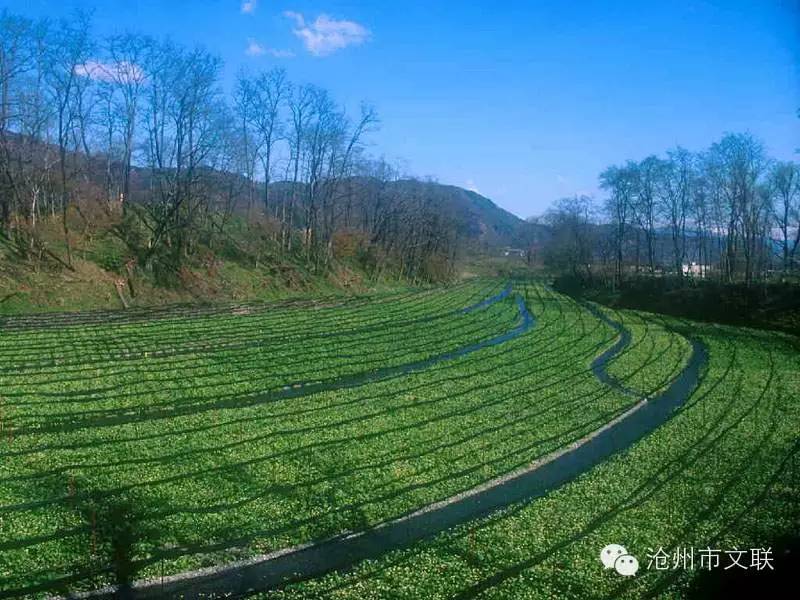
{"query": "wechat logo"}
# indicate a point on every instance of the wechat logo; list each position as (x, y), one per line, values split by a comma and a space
(616, 557)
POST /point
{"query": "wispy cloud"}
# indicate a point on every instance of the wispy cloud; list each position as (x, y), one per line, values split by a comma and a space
(106, 71)
(255, 49)
(470, 185)
(278, 53)
(249, 6)
(326, 35)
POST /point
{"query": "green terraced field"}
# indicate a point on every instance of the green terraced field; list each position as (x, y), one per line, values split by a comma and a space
(722, 474)
(142, 445)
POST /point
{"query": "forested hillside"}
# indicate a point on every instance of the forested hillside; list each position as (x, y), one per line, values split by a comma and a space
(126, 168)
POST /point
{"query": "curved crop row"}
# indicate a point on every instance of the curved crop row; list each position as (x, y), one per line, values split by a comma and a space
(145, 319)
(210, 486)
(115, 341)
(105, 392)
(720, 475)
(655, 356)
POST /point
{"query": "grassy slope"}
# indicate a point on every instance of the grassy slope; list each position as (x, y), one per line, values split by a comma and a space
(32, 286)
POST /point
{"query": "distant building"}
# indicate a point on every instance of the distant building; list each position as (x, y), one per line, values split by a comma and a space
(513, 252)
(694, 269)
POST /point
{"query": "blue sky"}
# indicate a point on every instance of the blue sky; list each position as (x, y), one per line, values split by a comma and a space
(523, 101)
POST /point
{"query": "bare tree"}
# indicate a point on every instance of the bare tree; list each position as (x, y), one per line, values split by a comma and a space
(16, 57)
(182, 100)
(70, 49)
(126, 73)
(147, 122)
(301, 107)
(784, 185)
(572, 244)
(673, 201)
(699, 212)
(620, 182)
(268, 93)
(244, 109)
(647, 174)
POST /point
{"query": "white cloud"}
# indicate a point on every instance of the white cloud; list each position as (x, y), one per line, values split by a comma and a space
(102, 71)
(470, 185)
(294, 16)
(249, 6)
(278, 53)
(326, 35)
(256, 49)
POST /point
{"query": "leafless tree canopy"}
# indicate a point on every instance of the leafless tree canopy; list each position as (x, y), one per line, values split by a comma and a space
(729, 213)
(143, 129)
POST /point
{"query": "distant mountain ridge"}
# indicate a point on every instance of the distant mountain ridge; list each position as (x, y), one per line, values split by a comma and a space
(484, 221)
(481, 221)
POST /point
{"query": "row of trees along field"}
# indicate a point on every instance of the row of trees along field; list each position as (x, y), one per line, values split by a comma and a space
(729, 213)
(142, 131)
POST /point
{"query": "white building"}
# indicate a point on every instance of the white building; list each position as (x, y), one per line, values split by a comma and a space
(694, 269)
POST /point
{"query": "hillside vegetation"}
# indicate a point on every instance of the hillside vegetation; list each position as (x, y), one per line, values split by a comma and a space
(242, 261)
(123, 158)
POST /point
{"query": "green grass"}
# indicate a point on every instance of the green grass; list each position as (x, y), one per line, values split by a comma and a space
(721, 474)
(174, 425)
(656, 354)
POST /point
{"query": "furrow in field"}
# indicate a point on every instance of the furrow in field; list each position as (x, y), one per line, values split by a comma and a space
(547, 472)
